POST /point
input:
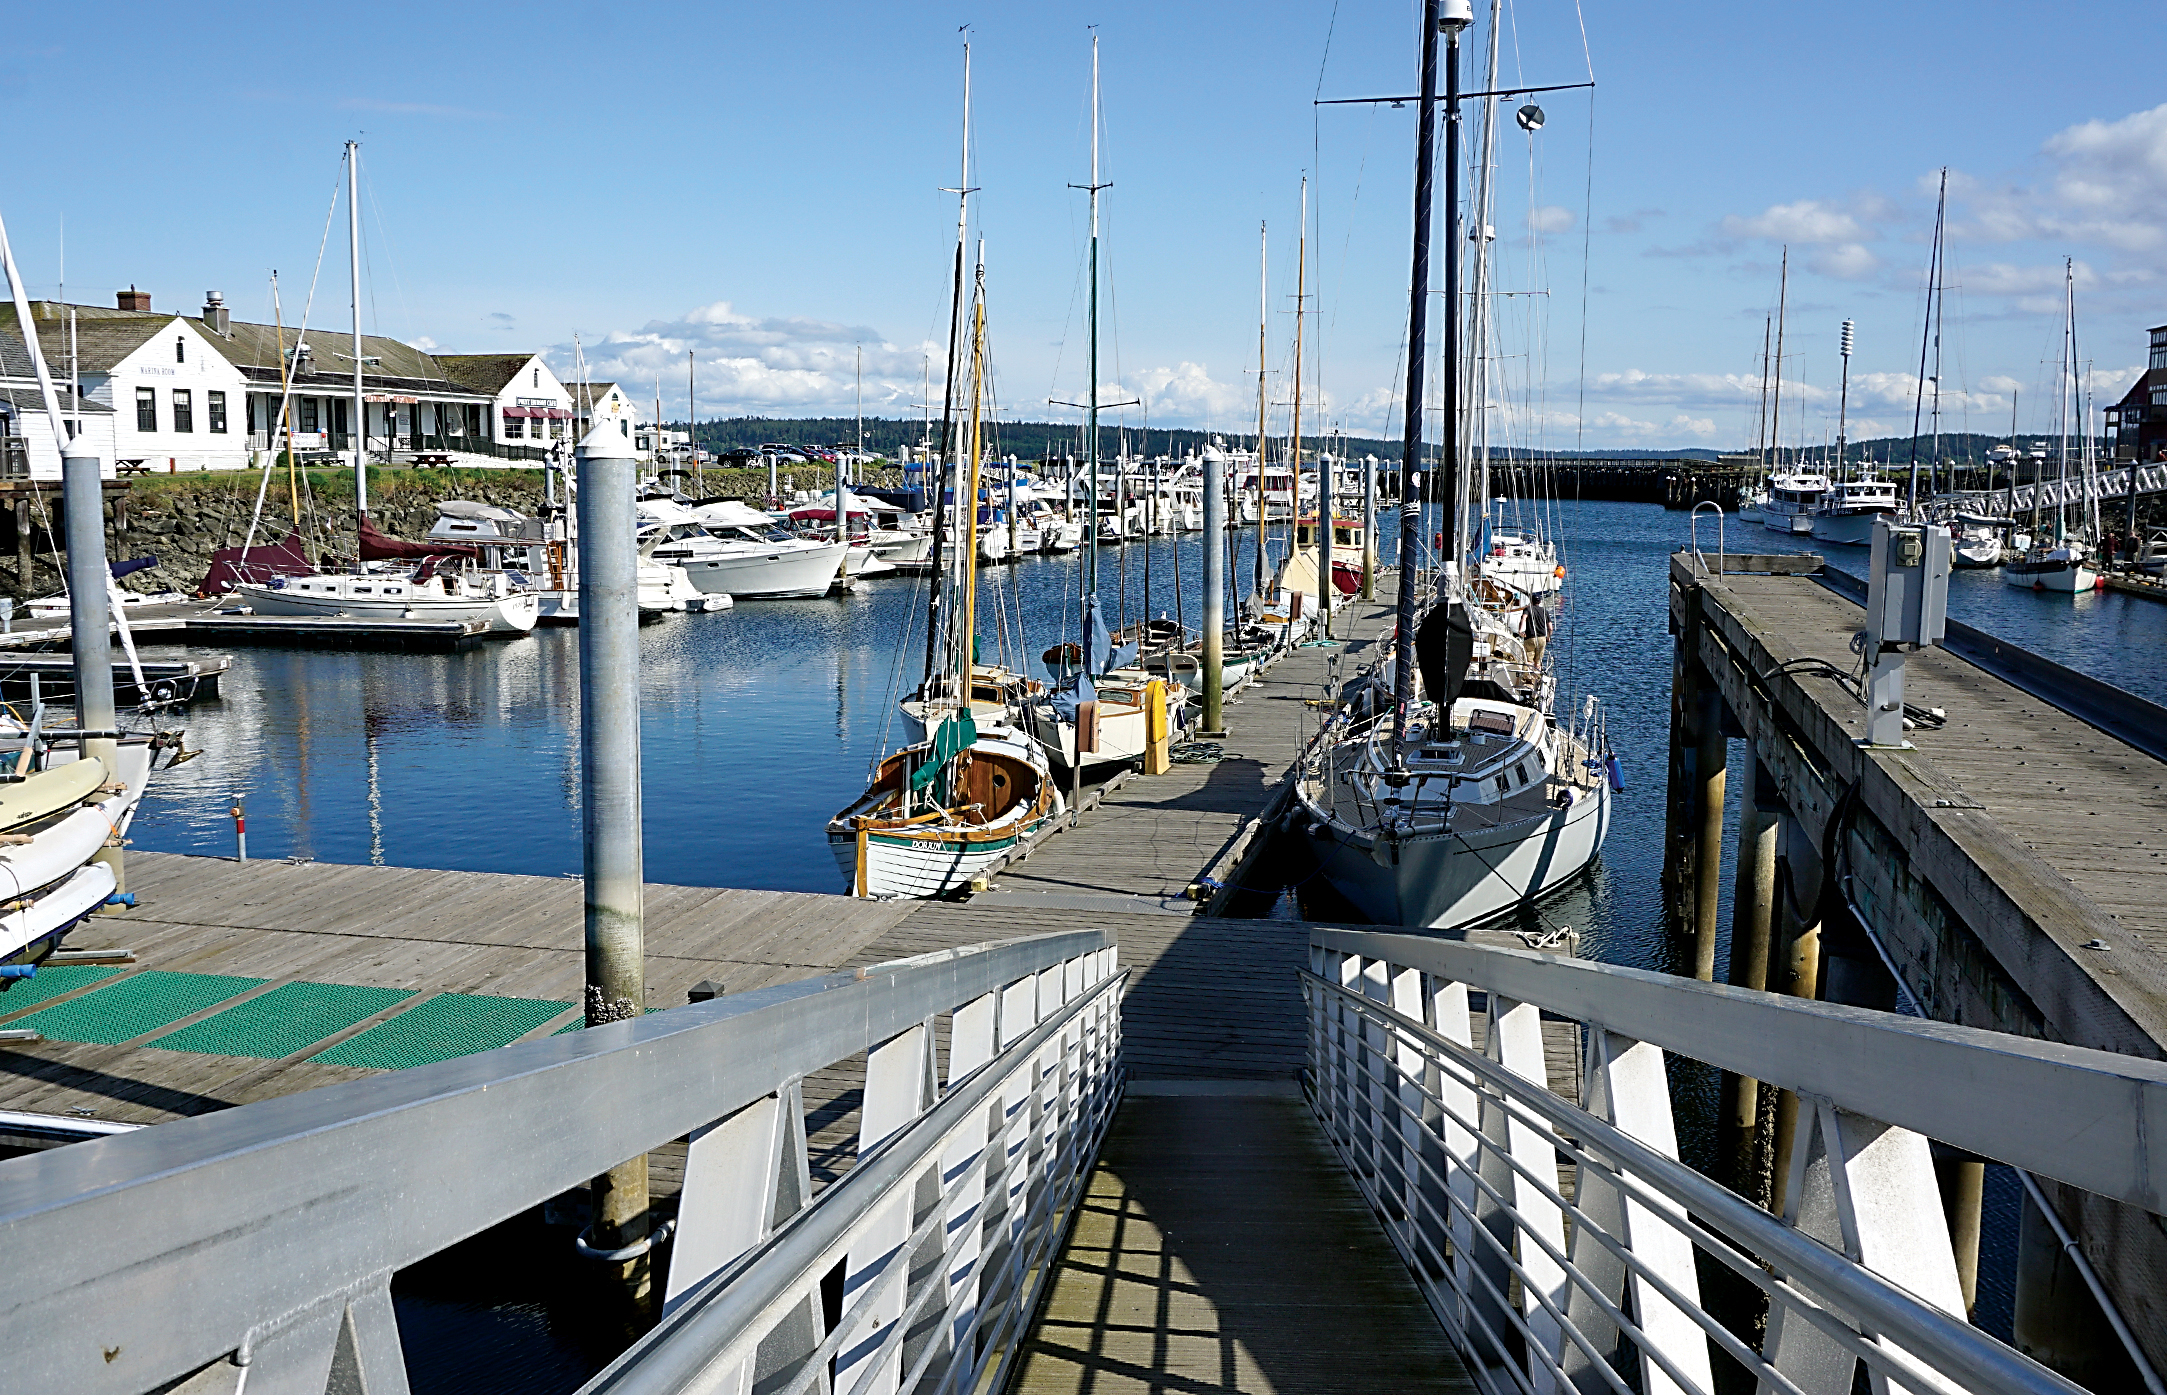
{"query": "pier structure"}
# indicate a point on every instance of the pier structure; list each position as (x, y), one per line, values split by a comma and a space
(1012, 1144)
(2004, 869)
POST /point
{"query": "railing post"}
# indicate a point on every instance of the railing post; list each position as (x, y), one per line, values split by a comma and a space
(1453, 1202)
(899, 1086)
(1624, 1083)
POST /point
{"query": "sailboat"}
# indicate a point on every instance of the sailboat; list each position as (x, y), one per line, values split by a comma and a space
(2062, 563)
(423, 590)
(1453, 794)
(939, 811)
(1105, 712)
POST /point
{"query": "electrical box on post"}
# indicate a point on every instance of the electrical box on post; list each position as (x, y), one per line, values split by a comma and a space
(1907, 586)
(1907, 607)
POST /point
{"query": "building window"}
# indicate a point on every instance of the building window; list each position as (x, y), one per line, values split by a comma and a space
(215, 404)
(180, 351)
(146, 409)
(184, 410)
(537, 377)
(515, 428)
(308, 414)
(624, 427)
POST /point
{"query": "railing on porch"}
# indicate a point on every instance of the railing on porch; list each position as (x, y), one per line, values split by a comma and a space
(1598, 1285)
(266, 1236)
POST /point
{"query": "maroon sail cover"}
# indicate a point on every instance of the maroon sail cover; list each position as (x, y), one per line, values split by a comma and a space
(231, 564)
(381, 547)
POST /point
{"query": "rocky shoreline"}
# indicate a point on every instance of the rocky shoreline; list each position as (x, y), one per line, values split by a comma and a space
(182, 519)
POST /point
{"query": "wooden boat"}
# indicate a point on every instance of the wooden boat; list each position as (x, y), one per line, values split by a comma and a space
(940, 812)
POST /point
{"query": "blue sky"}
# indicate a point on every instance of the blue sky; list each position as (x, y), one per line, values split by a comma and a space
(760, 184)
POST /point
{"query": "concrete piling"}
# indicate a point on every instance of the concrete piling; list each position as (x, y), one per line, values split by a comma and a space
(1710, 775)
(1753, 905)
(90, 621)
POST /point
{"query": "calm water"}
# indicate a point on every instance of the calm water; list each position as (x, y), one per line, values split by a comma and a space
(759, 723)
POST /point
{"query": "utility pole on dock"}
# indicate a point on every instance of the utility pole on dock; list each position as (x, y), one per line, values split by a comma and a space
(609, 777)
(83, 504)
(1215, 473)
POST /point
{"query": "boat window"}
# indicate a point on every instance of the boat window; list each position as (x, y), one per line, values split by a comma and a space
(361, 590)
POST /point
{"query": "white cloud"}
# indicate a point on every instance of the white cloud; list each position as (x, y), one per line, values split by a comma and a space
(750, 365)
(1623, 430)
(1188, 393)
(1550, 219)
(2105, 184)
(1808, 220)
(1848, 261)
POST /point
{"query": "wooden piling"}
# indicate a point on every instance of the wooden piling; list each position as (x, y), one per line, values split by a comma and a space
(1753, 902)
(1801, 971)
(1710, 757)
(1679, 845)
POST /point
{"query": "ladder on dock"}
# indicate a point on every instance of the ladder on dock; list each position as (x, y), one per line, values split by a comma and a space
(1422, 1209)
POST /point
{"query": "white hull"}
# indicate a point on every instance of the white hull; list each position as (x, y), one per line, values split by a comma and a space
(918, 871)
(1976, 552)
(757, 572)
(2068, 578)
(55, 913)
(1845, 529)
(906, 551)
(513, 614)
(1442, 881)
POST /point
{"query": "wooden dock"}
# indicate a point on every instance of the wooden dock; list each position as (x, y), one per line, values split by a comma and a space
(1154, 843)
(2005, 869)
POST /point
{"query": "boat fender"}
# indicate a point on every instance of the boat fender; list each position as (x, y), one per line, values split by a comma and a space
(1617, 775)
(15, 971)
(121, 898)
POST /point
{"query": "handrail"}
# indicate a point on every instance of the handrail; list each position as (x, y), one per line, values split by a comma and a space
(714, 1326)
(2086, 1118)
(237, 1231)
(1693, 530)
(1951, 1346)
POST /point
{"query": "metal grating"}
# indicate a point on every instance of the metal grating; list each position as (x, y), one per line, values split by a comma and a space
(140, 1003)
(283, 1021)
(577, 1024)
(448, 1025)
(49, 983)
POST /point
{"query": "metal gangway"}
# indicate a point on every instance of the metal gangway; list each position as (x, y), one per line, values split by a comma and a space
(251, 1252)
(2104, 487)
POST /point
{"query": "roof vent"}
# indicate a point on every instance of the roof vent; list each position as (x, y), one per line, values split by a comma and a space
(304, 360)
(215, 315)
(133, 299)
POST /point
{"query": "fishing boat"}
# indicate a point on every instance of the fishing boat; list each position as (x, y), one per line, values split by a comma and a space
(1794, 497)
(1847, 511)
(1446, 792)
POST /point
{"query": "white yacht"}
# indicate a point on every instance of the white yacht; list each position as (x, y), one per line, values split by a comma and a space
(1978, 541)
(1848, 511)
(1793, 499)
(1523, 561)
(726, 552)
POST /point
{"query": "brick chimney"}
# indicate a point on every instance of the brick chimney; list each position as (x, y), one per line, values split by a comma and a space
(133, 299)
(214, 313)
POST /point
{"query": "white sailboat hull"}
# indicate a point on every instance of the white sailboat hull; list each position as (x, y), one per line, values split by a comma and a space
(513, 614)
(2053, 574)
(1444, 881)
(918, 870)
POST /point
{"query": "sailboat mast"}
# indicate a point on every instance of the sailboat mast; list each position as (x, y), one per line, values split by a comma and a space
(1928, 337)
(2067, 393)
(361, 410)
(1091, 401)
(1301, 299)
(692, 413)
(1478, 305)
(967, 642)
(1263, 494)
(1760, 444)
(1775, 411)
(1418, 294)
(937, 472)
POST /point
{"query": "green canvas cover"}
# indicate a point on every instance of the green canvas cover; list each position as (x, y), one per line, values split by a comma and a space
(950, 739)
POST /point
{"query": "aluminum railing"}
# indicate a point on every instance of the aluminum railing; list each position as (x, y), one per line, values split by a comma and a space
(1596, 1284)
(266, 1237)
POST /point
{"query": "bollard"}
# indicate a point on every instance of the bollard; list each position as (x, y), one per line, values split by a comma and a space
(1215, 472)
(240, 831)
(609, 734)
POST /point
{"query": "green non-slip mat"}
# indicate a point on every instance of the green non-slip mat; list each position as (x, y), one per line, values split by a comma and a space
(140, 1003)
(285, 1020)
(577, 1024)
(448, 1025)
(50, 983)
